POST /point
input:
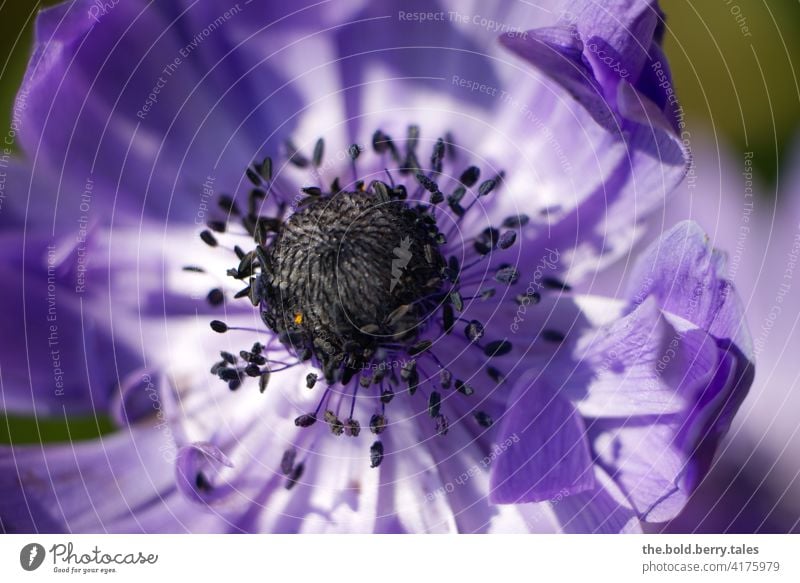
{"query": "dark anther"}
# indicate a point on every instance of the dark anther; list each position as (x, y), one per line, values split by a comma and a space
(453, 269)
(252, 358)
(498, 348)
(556, 284)
(306, 420)
(215, 297)
(311, 380)
(337, 427)
(265, 169)
(507, 275)
(434, 404)
(470, 176)
(483, 419)
(464, 388)
(287, 461)
(387, 395)
(295, 156)
(474, 331)
(217, 226)
(530, 297)
(420, 347)
(377, 423)
(455, 299)
(438, 156)
(234, 384)
(376, 454)
(494, 374)
(228, 374)
(552, 336)
(407, 369)
(427, 183)
(254, 200)
(412, 136)
(515, 221)
(312, 190)
(354, 151)
(382, 143)
(352, 428)
(253, 177)
(319, 151)
(448, 318)
(507, 239)
(252, 370)
(227, 204)
(413, 381)
(228, 357)
(487, 187)
(193, 269)
(208, 238)
(263, 381)
(218, 326)
(295, 476)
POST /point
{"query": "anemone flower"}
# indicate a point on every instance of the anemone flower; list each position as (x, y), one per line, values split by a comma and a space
(753, 485)
(317, 261)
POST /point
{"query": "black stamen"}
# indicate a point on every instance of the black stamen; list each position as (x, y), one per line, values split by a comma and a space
(287, 461)
(218, 326)
(376, 454)
(319, 150)
(483, 419)
(295, 476)
(556, 284)
(516, 221)
(377, 423)
(470, 176)
(464, 388)
(215, 297)
(474, 331)
(208, 238)
(507, 275)
(498, 348)
(434, 404)
(306, 420)
(352, 428)
(552, 336)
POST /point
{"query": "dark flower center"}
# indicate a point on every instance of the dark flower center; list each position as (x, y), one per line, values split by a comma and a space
(350, 273)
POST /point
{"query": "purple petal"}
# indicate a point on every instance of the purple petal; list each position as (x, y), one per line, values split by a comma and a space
(144, 104)
(642, 365)
(687, 276)
(543, 447)
(118, 483)
(57, 352)
(601, 510)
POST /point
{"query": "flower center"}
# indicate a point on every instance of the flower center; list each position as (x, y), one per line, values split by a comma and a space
(363, 283)
(351, 273)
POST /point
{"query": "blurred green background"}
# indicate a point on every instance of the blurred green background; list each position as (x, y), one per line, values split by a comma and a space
(733, 63)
